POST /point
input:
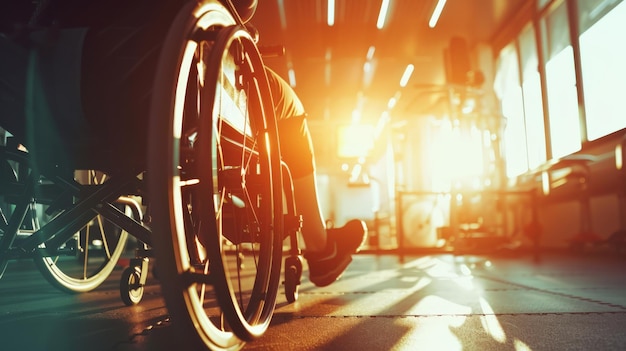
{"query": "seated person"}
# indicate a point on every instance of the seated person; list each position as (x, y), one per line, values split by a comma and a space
(328, 250)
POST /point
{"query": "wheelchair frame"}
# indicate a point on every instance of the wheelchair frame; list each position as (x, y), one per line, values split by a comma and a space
(219, 199)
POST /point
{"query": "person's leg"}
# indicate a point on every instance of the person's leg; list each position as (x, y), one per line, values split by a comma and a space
(328, 250)
(307, 204)
(297, 152)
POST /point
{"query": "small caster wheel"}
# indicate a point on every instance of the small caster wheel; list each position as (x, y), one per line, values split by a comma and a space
(293, 273)
(131, 289)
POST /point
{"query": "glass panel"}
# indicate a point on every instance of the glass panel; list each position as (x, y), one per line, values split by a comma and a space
(509, 92)
(531, 88)
(556, 31)
(563, 104)
(604, 73)
(564, 117)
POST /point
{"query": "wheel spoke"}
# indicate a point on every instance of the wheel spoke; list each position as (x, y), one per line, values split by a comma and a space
(86, 248)
(105, 242)
(227, 295)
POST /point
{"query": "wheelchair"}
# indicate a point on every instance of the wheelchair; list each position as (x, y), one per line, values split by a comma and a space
(206, 194)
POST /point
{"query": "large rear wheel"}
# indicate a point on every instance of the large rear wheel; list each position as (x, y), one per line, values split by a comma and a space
(215, 181)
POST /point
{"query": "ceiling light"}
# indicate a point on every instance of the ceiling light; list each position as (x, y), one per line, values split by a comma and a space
(367, 67)
(436, 13)
(368, 73)
(331, 13)
(282, 15)
(370, 53)
(407, 75)
(328, 66)
(292, 77)
(382, 15)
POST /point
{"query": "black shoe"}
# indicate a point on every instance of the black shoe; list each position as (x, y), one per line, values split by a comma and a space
(327, 266)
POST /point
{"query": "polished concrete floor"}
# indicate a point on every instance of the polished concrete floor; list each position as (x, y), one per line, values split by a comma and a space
(564, 301)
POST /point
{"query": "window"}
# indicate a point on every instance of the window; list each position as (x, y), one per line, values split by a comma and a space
(564, 118)
(507, 87)
(603, 62)
(531, 89)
